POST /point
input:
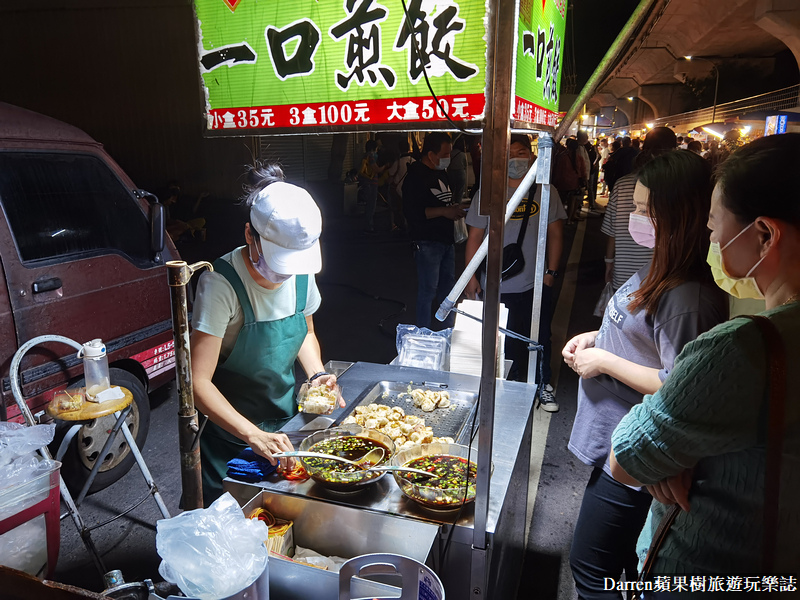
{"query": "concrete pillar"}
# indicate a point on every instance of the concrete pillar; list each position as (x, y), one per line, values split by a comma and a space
(781, 18)
(664, 99)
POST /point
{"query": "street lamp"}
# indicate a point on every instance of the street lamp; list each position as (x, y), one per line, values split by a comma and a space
(716, 84)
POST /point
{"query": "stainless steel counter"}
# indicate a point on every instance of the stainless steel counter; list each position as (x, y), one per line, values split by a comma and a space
(508, 489)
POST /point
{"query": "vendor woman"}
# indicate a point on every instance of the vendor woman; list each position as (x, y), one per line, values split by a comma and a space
(252, 319)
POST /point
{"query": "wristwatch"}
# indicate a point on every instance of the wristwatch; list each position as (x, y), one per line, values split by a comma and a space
(551, 272)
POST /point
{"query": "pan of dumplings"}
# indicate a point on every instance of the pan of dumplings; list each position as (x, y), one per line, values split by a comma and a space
(413, 414)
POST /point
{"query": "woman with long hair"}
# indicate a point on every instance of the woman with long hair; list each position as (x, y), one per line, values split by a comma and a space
(711, 429)
(662, 307)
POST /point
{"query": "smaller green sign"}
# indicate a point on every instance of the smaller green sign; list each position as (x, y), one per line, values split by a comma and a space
(539, 56)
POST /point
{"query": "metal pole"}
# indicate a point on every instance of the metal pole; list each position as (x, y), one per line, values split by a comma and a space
(613, 55)
(179, 274)
(543, 177)
(494, 183)
(716, 89)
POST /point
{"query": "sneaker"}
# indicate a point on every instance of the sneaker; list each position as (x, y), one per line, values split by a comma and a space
(547, 399)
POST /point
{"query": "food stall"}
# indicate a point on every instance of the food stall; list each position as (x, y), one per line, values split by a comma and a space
(476, 549)
(383, 500)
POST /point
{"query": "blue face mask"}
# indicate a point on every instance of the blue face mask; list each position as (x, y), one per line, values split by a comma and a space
(263, 269)
(517, 168)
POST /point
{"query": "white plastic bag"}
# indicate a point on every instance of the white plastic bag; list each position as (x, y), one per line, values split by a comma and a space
(602, 302)
(17, 440)
(460, 233)
(214, 552)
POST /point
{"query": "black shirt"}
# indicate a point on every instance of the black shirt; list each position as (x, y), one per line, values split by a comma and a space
(423, 188)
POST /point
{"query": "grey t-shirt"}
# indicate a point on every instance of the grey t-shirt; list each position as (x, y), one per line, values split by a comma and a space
(683, 313)
(523, 281)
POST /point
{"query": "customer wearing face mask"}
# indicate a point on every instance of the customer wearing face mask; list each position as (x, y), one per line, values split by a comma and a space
(712, 440)
(430, 211)
(252, 319)
(661, 308)
(516, 292)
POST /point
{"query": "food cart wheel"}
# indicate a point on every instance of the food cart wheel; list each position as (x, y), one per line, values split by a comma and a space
(85, 447)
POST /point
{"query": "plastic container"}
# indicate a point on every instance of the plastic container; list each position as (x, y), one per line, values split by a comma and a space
(95, 367)
(317, 399)
(30, 525)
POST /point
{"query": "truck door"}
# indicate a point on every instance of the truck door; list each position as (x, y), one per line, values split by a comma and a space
(75, 247)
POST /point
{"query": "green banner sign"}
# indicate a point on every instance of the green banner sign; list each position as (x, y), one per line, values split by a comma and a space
(539, 55)
(277, 64)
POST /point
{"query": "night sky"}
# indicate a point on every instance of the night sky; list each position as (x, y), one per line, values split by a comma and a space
(595, 24)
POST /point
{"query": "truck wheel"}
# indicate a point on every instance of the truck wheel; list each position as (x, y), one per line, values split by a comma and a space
(86, 446)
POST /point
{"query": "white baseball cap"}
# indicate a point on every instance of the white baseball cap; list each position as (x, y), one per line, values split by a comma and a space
(289, 223)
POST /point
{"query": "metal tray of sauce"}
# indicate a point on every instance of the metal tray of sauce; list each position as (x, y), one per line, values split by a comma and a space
(446, 422)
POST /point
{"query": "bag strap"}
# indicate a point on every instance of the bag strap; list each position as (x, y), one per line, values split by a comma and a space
(776, 358)
(526, 216)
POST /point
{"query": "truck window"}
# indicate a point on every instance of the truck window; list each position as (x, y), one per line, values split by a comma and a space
(59, 205)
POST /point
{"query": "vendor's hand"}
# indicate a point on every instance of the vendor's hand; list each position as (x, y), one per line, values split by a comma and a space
(266, 444)
(454, 212)
(674, 490)
(589, 362)
(579, 342)
(473, 288)
(549, 280)
(609, 272)
(329, 379)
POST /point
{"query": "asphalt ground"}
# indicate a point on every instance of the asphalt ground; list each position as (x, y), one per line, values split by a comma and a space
(368, 285)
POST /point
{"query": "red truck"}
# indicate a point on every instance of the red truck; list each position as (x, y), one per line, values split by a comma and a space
(82, 255)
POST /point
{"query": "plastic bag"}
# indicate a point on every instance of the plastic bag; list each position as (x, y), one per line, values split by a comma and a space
(602, 302)
(460, 231)
(404, 330)
(214, 552)
(19, 462)
(422, 348)
(17, 440)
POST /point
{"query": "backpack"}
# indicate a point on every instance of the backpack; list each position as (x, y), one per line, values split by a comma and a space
(564, 174)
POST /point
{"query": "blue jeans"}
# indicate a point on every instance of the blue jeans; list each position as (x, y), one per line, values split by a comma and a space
(436, 275)
(604, 542)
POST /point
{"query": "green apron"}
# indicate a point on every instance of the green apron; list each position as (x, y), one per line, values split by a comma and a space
(257, 378)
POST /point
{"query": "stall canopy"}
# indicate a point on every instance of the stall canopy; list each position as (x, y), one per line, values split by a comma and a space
(316, 66)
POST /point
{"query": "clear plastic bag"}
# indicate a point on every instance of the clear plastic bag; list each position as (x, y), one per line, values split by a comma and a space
(17, 440)
(602, 302)
(214, 552)
(422, 348)
(460, 231)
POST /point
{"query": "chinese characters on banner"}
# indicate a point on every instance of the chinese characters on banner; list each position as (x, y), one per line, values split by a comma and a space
(540, 48)
(311, 63)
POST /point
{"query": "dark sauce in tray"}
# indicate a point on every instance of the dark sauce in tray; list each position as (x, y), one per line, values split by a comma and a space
(450, 490)
(451, 471)
(351, 447)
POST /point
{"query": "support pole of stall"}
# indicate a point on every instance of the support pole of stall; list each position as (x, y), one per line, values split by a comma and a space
(543, 162)
(179, 274)
(494, 182)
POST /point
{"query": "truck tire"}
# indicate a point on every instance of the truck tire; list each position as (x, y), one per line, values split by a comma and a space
(85, 447)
